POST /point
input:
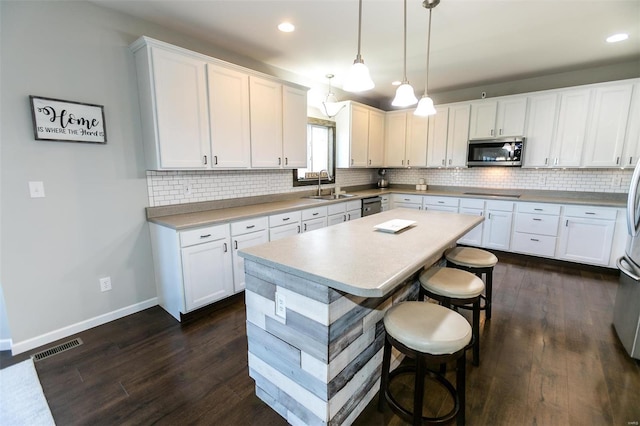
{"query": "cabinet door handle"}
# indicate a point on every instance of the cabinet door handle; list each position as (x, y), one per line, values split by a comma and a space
(348, 216)
(489, 215)
(566, 223)
(443, 162)
(279, 161)
(344, 217)
(286, 161)
(352, 161)
(450, 161)
(305, 227)
(537, 219)
(534, 239)
(205, 236)
(408, 164)
(205, 159)
(225, 247)
(617, 160)
(491, 132)
(215, 160)
(298, 229)
(235, 244)
(556, 161)
(546, 161)
(630, 160)
(402, 162)
(369, 162)
(250, 226)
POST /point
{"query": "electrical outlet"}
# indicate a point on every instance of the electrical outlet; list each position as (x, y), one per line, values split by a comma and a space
(281, 307)
(187, 188)
(105, 284)
(36, 189)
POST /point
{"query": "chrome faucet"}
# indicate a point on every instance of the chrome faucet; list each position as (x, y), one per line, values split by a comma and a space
(320, 179)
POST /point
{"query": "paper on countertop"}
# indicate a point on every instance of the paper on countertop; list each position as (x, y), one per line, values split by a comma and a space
(394, 225)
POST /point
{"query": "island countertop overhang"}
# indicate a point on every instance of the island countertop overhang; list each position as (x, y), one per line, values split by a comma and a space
(354, 258)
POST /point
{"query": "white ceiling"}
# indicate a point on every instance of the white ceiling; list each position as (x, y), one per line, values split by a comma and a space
(473, 42)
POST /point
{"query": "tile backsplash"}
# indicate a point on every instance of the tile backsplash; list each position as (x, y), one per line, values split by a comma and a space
(180, 187)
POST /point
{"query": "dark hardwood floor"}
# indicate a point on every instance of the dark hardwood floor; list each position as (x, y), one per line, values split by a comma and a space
(549, 356)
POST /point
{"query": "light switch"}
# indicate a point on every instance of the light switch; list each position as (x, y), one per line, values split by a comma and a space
(36, 189)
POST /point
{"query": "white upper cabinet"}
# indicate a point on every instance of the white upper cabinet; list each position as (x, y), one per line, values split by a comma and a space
(631, 151)
(568, 143)
(497, 118)
(294, 127)
(229, 117)
(405, 139)
(607, 126)
(173, 101)
(541, 126)
(437, 138)
(360, 136)
(266, 122)
(201, 113)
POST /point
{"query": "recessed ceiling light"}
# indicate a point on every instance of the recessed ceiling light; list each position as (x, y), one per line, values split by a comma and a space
(286, 27)
(617, 37)
(396, 83)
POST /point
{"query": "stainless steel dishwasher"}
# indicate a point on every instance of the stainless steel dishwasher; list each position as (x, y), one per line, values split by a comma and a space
(371, 205)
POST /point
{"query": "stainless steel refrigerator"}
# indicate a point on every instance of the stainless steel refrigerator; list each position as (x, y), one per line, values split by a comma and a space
(626, 315)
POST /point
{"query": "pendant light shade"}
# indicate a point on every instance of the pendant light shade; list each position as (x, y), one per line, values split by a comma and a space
(358, 79)
(330, 105)
(425, 106)
(405, 95)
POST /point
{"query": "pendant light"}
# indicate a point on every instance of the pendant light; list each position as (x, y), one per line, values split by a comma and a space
(330, 105)
(404, 94)
(358, 79)
(425, 106)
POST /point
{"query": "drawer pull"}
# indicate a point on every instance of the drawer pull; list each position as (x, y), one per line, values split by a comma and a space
(315, 214)
(205, 236)
(592, 213)
(534, 239)
(440, 202)
(250, 226)
(284, 219)
(407, 199)
(538, 210)
(537, 219)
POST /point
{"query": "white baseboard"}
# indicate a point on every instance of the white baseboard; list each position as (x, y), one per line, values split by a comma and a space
(5, 344)
(52, 336)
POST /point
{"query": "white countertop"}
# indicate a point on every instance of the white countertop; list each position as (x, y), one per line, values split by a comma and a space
(354, 258)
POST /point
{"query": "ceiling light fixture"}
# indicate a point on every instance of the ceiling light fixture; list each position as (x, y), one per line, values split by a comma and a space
(330, 105)
(425, 106)
(617, 37)
(287, 27)
(404, 94)
(358, 79)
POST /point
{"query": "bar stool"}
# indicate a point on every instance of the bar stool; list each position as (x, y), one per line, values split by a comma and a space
(477, 262)
(455, 288)
(429, 334)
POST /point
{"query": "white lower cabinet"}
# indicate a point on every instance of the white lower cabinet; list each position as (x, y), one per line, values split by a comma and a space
(472, 207)
(442, 204)
(497, 225)
(536, 229)
(586, 234)
(284, 225)
(192, 267)
(343, 212)
(386, 202)
(315, 218)
(406, 201)
(245, 234)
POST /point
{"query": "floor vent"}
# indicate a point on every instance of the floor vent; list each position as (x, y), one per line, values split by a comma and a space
(56, 349)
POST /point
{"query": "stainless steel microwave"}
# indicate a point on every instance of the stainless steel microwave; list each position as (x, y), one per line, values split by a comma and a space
(496, 152)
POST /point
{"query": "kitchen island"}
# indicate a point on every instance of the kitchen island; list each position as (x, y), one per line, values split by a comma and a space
(315, 302)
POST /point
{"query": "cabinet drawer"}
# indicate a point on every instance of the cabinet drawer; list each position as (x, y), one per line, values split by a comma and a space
(539, 208)
(336, 208)
(284, 218)
(471, 203)
(541, 245)
(249, 225)
(314, 213)
(503, 206)
(405, 198)
(283, 231)
(441, 201)
(441, 209)
(537, 224)
(590, 212)
(354, 205)
(203, 235)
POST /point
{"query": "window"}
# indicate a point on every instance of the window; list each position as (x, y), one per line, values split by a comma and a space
(320, 154)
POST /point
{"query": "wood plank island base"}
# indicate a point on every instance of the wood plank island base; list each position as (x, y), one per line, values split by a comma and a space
(315, 304)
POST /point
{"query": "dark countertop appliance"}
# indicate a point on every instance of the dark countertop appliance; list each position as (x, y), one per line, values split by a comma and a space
(371, 205)
(496, 152)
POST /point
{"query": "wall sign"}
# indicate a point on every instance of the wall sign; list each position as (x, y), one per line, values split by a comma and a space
(58, 120)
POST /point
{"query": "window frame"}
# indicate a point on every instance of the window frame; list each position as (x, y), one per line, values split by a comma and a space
(331, 125)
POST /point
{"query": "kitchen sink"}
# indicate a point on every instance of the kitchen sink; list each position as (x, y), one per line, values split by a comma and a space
(329, 196)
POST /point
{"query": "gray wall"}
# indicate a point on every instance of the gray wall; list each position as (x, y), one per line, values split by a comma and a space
(92, 222)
